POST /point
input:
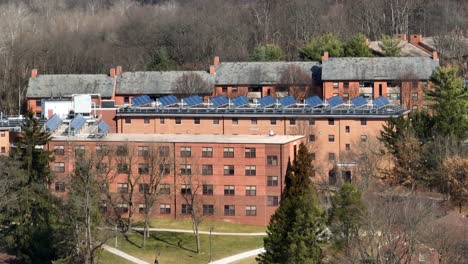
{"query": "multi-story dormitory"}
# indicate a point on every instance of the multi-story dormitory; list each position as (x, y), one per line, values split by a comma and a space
(237, 135)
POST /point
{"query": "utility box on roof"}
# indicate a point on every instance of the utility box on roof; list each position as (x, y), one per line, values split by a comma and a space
(82, 103)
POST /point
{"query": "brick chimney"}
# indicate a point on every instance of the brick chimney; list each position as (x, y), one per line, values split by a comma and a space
(216, 60)
(415, 39)
(34, 73)
(112, 72)
(118, 70)
(401, 37)
(325, 56)
(435, 56)
(212, 69)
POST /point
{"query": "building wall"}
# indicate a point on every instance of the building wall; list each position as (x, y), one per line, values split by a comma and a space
(4, 142)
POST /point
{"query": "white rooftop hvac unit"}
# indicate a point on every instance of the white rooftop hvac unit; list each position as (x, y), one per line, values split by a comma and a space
(82, 103)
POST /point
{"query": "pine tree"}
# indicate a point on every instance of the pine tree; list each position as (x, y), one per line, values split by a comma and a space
(296, 229)
(356, 47)
(314, 50)
(267, 52)
(390, 46)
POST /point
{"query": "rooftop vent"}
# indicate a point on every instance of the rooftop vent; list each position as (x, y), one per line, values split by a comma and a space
(272, 133)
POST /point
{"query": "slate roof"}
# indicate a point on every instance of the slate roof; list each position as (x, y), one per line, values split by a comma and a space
(156, 82)
(64, 85)
(407, 49)
(430, 42)
(245, 73)
(381, 68)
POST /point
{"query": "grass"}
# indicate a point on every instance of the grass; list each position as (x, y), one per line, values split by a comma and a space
(180, 247)
(219, 226)
(250, 260)
(105, 257)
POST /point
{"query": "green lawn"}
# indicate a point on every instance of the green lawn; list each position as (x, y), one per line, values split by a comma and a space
(105, 257)
(205, 226)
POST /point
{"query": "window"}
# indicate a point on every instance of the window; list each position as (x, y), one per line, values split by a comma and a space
(141, 208)
(38, 102)
(253, 121)
(101, 167)
(228, 169)
(146, 120)
(363, 138)
(215, 120)
(207, 189)
(251, 210)
(121, 151)
(143, 168)
(272, 201)
(348, 147)
(346, 85)
(229, 190)
(164, 208)
(164, 151)
(331, 122)
(272, 180)
(142, 151)
(143, 188)
(346, 97)
(185, 169)
(165, 169)
(196, 120)
(162, 121)
(332, 177)
(311, 122)
(335, 94)
(101, 150)
(224, 90)
(79, 151)
(311, 138)
(331, 138)
(273, 121)
(235, 121)
(228, 152)
(165, 189)
(250, 190)
(250, 152)
(59, 167)
(122, 188)
(347, 129)
(59, 150)
(335, 85)
(126, 99)
(272, 160)
(415, 96)
(380, 89)
(346, 175)
(292, 122)
(424, 84)
(208, 209)
(185, 151)
(207, 169)
(207, 152)
(60, 187)
(186, 209)
(122, 208)
(250, 170)
(363, 122)
(122, 167)
(128, 120)
(331, 156)
(185, 189)
(234, 89)
(3, 150)
(415, 84)
(229, 210)
(178, 120)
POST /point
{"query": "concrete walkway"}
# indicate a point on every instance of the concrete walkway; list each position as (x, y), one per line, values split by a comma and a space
(240, 256)
(201, 232)
(123, 255)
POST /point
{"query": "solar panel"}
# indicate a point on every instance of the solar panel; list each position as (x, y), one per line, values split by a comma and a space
(193, 100)
(335, 101)
(240, 101)
(77, 122)
(53, 123)
(381, 102)
(168, 100)
(219, 101)
(266, 101)
(287, 101)
(359, 101)
(141, 100)
(103, 127)
(314, 101)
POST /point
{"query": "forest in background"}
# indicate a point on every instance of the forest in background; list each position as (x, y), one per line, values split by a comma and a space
(91, 36)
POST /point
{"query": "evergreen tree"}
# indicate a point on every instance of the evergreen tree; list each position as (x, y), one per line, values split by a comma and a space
(267, 52)
(390, 46)
(161, 61)
(314, 50)
(295, 232)
(356, 47)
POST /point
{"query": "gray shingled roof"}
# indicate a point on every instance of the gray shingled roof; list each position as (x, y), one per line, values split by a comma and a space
(245, 73)
(64, 85)
(407, 49)
(386, 68)
(155, 82)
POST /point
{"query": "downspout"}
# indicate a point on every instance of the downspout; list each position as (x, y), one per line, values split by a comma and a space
(175, 182)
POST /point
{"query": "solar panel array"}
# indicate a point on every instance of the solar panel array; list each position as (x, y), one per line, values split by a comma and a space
(193, 100)
(168, 100)
(287, 101)
(314, 101)
(335, 101)
(141, 100)
(359, 101)
(77, 123)
(381, 102)
(219, 101)
(266, 101)
(240, 101)
(53, 123)
(103, 127)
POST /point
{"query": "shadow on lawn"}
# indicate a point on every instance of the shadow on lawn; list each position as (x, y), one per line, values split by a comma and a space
(173, 236)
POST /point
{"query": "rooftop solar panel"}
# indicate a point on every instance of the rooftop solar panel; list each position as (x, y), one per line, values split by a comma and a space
(240, 101)
(141, 100)
(381, 102)
(168, 100)
(193, 100)
(103, 127)
(77, 123)
(219, 101)
(359, 101)
(53, 123)
(335, 101)
(287, 101)
(266, 101)
(314, 101)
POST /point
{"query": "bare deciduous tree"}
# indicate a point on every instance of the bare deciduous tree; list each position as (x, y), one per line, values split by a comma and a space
(191, 84)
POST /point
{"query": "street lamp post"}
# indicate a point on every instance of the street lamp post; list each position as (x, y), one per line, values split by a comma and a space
(211, 230)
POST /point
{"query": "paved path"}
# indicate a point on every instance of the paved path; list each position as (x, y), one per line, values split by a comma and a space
(201, 232)
(240, 256)
(123, 255)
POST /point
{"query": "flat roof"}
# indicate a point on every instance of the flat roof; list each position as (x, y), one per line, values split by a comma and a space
(184, 138)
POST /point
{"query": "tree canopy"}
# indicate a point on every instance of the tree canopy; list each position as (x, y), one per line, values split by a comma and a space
(315, 48)
(390, 46)
(357, 47)
(268, 52)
